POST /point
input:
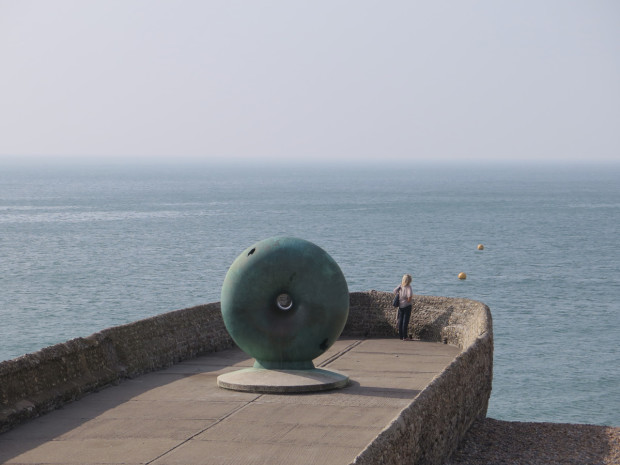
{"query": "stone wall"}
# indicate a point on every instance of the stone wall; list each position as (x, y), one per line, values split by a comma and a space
(430, 428)
(40, 382)
(426, 432)
(438, 319)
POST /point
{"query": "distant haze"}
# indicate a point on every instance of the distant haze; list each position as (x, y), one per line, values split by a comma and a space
(309, 80)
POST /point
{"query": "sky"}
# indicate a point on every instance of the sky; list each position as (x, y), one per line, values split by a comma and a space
(316, 80)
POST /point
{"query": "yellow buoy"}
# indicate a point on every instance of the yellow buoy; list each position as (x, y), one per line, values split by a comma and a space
(480, 247)
(462, 275)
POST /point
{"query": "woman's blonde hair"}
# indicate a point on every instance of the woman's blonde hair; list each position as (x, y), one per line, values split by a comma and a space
(406, 280)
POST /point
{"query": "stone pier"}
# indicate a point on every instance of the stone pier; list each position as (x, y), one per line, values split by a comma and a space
(146, 393)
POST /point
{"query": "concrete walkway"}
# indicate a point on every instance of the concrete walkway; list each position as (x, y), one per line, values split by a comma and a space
(180, 416)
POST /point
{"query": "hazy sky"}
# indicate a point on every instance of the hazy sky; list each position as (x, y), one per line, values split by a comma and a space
(310, 80)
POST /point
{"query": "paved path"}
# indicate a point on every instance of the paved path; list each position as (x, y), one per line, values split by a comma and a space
(180, 416)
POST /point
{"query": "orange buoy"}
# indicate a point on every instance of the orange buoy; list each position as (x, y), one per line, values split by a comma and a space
(462, 275)
(480, 247)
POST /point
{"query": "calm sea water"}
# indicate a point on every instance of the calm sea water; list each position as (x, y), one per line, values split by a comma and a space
(86, 248)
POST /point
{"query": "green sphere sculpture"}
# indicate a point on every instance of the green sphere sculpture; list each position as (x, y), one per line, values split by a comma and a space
(284, 302)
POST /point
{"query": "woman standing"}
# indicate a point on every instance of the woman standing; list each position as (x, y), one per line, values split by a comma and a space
(404, 306)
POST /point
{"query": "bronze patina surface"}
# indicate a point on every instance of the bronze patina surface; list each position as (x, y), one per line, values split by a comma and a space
(284, 301)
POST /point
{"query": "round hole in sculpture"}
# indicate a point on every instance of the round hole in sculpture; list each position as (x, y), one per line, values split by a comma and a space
(284, 302)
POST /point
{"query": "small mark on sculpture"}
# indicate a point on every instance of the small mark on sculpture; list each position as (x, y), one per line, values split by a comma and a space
(251, 251)
(324, 345)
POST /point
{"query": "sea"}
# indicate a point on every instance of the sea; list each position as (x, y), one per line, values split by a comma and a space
(84, 247)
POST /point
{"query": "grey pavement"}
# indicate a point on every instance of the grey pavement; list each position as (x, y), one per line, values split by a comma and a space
(180, 416)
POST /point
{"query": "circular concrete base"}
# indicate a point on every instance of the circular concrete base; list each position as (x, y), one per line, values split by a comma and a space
(282, 381)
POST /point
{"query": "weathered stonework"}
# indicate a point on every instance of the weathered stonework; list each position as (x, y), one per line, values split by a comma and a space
(426, 431)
